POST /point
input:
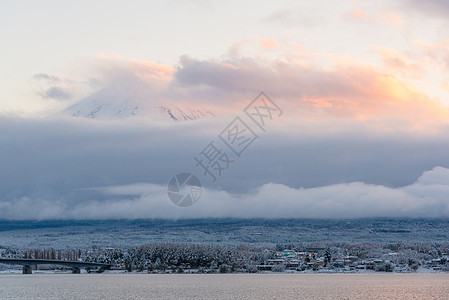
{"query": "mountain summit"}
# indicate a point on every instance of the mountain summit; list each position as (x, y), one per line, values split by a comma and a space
(106, 108)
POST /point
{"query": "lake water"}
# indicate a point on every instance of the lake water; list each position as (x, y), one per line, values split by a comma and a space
(225, 286)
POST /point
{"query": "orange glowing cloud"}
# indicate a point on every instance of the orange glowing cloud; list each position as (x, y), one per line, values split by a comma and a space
(391, 17)
(268, 43)
(350, 90)
(366, 94)
(357, 14)
(152, 74)
(386, 17)
(445, 86)
(254, 44)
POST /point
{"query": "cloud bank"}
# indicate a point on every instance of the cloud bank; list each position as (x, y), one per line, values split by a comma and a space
(427, 197)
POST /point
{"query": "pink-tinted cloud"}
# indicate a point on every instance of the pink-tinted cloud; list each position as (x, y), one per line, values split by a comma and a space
(435, 54)
(357, 14)
(391, 17)
(400, 64)
(360, 92)
(156, 75)
(268, 44)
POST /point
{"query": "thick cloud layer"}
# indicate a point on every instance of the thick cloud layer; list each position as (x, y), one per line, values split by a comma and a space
(81, 168)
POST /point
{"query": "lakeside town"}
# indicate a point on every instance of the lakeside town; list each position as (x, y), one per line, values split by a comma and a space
(208, 258)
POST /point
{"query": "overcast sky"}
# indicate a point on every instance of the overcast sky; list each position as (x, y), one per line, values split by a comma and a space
(363, 88)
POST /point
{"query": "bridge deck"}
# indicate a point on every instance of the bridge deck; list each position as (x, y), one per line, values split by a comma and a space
(31, 262)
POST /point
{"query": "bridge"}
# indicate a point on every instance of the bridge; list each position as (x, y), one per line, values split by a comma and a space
(76, 265)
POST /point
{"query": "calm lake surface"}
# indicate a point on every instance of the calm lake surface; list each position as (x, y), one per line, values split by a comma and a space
(225, 286)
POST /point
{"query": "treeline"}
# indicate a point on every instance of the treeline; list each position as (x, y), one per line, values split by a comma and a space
(178, 257)
(47, 253)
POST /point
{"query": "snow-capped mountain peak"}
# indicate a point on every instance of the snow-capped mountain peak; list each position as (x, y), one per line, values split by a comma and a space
(105, 109)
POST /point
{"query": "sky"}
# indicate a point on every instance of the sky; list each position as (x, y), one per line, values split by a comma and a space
(360, 91)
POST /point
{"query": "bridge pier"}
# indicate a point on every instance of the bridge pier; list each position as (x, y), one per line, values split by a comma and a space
(27, 270)
(76, 270)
